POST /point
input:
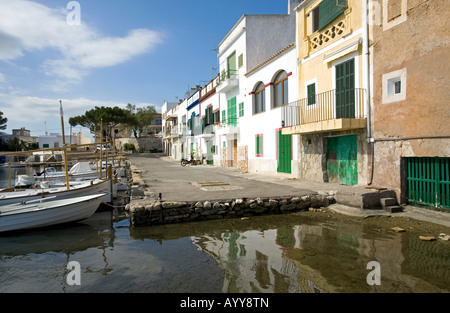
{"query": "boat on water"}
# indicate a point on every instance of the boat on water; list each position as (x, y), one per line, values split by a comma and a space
(87, 188)
(47, 212)
(79, 172)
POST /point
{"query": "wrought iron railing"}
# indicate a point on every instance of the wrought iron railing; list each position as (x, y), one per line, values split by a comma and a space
(329, 105)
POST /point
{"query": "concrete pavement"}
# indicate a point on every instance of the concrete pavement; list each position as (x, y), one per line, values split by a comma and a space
(165, 176)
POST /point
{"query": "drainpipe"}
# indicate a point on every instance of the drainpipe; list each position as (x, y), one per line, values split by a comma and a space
(366, 86)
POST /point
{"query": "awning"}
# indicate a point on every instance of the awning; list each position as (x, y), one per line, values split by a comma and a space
(342, 51)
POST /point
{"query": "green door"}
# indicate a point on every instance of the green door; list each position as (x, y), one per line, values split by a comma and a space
(428, 181)
(345, 89)
(284, 156)
(342, 165)
(209, 152)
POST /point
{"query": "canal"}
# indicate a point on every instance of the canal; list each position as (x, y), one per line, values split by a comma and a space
(306, 252)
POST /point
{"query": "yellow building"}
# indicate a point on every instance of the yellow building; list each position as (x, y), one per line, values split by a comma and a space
(331, 115)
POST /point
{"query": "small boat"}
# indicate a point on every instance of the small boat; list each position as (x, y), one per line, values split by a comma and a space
(87, 188)
(47, 212)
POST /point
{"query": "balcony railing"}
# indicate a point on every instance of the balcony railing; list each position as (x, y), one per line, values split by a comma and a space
(227, 80)
(330, 105)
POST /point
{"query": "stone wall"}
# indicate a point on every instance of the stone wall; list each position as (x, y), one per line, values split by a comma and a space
(242, 158)
(154, 212)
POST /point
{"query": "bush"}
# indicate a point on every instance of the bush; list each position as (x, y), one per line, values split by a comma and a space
(129, 147)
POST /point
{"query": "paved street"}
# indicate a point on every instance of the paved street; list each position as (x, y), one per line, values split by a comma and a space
(198, 183)
(204, 182)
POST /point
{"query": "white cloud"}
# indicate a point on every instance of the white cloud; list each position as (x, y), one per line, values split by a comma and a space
(26, 26)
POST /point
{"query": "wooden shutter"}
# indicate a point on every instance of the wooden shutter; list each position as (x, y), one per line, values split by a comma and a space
(311, 94)
(329, 11)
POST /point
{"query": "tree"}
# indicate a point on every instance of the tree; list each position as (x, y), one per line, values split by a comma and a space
(101, 118)
(139, 118)
(3, 121)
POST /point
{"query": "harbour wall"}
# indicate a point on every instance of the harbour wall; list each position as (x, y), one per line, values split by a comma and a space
(147, 212)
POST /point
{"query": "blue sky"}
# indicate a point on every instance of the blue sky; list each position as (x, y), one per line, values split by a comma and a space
(140, 52)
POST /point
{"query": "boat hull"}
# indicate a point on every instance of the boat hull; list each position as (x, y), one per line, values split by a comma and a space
(97, 187)
(36, 215)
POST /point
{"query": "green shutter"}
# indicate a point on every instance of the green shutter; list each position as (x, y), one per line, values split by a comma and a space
(224, 120)
(311, 94)
(241, 109)
(231, 112)
(329, 10)
(259, 145)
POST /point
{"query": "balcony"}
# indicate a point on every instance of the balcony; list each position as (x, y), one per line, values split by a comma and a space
(328, 111)
(175, 131)
(227, 81)
(228, 126)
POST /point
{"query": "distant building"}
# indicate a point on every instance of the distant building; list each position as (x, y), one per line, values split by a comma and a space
(55, 140)
(22, 134)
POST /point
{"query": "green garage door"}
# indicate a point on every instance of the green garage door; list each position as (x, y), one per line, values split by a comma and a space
(428, 181)
(284, 152)
(342, 165)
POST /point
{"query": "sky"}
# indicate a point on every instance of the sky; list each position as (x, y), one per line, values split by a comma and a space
(90, 53)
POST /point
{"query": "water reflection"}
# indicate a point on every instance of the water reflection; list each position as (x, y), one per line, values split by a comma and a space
(286, 253)
(326, 258)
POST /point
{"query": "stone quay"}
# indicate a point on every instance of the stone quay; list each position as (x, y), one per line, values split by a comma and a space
(147, 212)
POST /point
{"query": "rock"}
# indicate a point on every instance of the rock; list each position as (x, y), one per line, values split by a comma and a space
(239, 201)
(444, 237)
(397, 229)
(245, 218)
(207, 205)
(427, 238)
(173, 204)
(296, 199)
(216, 205)
(199, 205)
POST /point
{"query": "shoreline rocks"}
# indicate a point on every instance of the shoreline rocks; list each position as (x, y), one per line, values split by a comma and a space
(148, 212)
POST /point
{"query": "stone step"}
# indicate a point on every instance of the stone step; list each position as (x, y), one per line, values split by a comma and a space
(366, 199)
(385, 202)
(393, 208)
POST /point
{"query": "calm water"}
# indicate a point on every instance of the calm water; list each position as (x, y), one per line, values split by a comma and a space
(262, 254)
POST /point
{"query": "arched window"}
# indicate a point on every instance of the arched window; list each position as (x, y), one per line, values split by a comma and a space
(260, 98)
(280, 90)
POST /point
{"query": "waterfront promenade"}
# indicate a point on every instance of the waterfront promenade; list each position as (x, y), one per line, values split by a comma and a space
(157, 174)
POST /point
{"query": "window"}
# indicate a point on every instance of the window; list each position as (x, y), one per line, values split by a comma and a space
(326, 12)
(260, 98)
(224, 116)
(231, 111)
(241, 109)
(209, 118)
(311, 90)
(280, 88)
(394, 86)
(241, 60)
(259, 145)
(217, 117)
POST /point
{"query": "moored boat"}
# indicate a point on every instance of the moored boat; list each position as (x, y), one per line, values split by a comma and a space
(88, 188)
(47, 212)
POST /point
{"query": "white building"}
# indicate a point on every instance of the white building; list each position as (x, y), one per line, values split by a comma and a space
(255, 41)
(55, 140)
(269, 86)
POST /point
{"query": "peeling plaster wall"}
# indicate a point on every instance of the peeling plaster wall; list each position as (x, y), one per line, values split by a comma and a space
(313, 157)
(423, 37)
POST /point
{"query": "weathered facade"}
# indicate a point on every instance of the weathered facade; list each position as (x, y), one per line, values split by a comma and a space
(331, 113)
(411, 113)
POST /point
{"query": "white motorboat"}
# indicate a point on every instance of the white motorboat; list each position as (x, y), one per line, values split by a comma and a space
(87, 188)
(47, 212)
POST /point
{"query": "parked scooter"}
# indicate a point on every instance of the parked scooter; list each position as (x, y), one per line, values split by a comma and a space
(185, 162)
